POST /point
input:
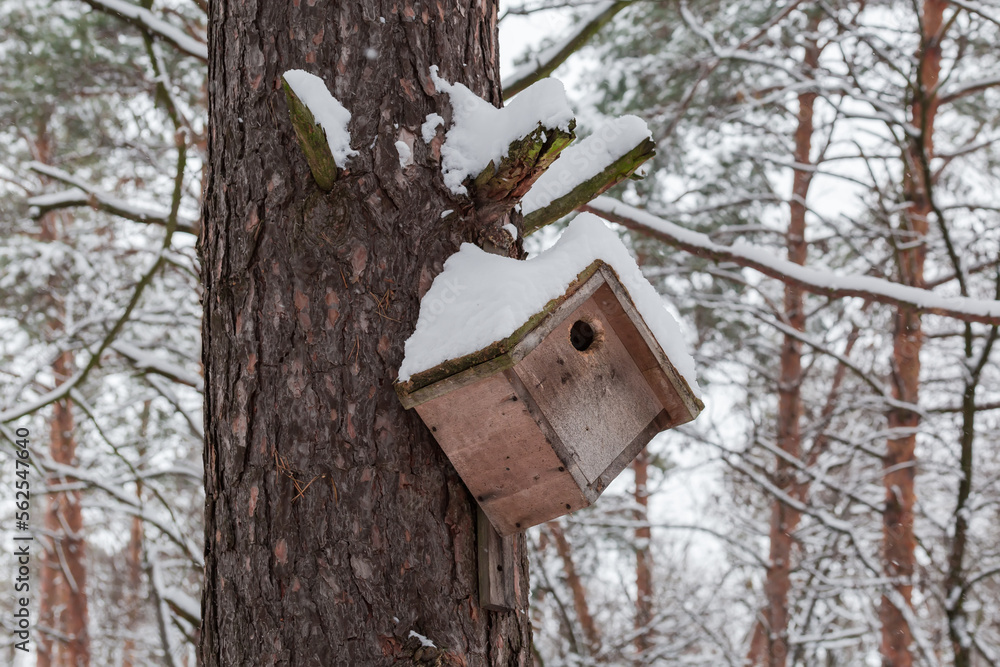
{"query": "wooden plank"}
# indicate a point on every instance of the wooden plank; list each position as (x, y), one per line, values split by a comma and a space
(536, 505)
(497, 566)
(659, 423)
(672, 389)
(463, 379)
(562, 451)
(597, 400)
(499, 451)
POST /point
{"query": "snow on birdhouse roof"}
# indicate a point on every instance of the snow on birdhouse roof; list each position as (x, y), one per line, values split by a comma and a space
(328, 112)
(480, 298)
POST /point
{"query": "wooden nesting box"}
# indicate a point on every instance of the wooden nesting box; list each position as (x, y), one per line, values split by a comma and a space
(537, 425)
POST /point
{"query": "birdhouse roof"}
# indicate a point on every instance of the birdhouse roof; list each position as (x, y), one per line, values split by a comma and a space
(480, 310)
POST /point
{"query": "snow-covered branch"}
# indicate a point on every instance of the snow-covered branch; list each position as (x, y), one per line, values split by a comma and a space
(194, 421)
(321, 123)
(147, 20)
(495, 155)
(82, 193)
(817, 281)
(71, 383)
(976, 8)
(162, 613)
(968, 88)
(145, 361)
(587, 169)
(543, 64)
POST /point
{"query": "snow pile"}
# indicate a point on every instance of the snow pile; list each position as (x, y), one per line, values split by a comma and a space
(585, 159)
(481, 298)
(405, 154)
(424, 641)
(328, 112)
(429, 129)
(481, 133)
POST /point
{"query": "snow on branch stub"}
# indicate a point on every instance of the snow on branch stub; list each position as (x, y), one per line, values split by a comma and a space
(494, 155)
(320, 122)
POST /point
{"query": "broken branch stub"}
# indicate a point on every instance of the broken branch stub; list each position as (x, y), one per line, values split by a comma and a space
(498, 188)
(622, 168)
(312, 140)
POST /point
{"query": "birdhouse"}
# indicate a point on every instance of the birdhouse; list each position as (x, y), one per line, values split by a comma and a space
(538, 424)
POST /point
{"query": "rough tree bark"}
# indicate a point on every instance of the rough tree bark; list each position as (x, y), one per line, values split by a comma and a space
(900, 459)
(336, 530)
(769, 644)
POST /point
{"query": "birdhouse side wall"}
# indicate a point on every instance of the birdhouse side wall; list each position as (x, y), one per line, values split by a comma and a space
(670, 388)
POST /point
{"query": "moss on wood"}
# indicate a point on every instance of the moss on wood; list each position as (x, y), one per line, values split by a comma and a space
(498, 187)
(312, 140)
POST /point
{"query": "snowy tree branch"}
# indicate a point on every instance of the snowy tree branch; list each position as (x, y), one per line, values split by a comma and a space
(976, 8)
(84, 194)
(968, 88)
(194, 422)
(580, 193)
(543, 64)
(146, 20)
(813, 280)
(497, 188)
(144, 361)
(66, 387)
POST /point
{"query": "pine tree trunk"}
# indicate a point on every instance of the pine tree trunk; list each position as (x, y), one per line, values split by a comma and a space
(134, 593)
(62, 605)
(899, 542)
(63, 570)
(643, 558)
(576, 587)
(769, 645)
(336, 530)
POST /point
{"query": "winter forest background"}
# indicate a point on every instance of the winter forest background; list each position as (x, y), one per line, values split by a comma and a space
(859, 139)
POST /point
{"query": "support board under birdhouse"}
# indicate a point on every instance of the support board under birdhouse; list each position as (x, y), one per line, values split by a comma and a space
(497, 562)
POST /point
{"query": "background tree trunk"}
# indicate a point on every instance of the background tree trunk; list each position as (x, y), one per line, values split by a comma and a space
(769, 644)
(135, 595)
(63, 567)
(63, 579)
(580, 606)
(336, 530)
(900, 457)
(643, 558)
